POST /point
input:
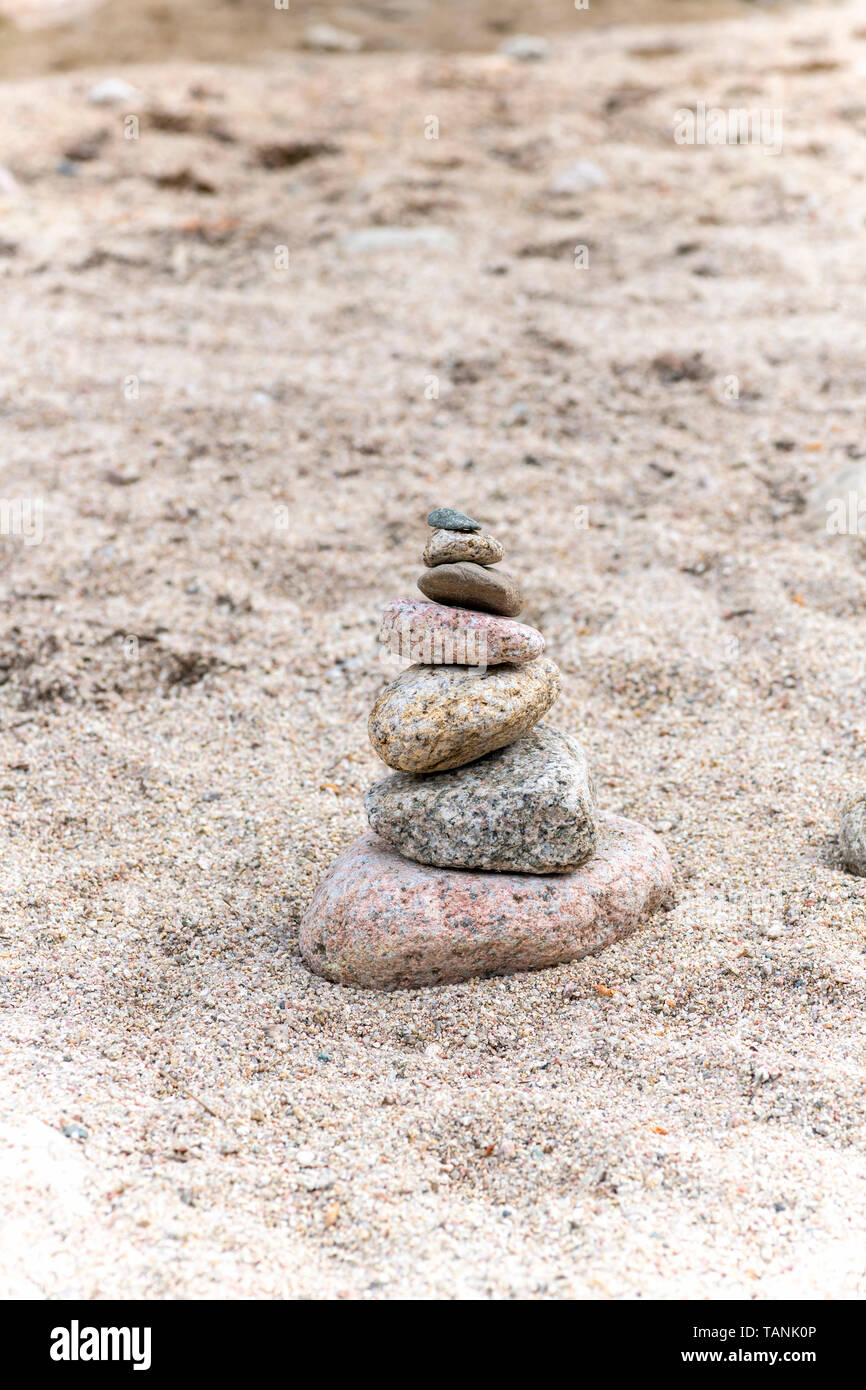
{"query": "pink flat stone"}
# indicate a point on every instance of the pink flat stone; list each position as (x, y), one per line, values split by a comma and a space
(380, 921)
(436, 635)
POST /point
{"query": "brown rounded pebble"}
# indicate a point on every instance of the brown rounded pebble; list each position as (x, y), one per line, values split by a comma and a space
(472, 586)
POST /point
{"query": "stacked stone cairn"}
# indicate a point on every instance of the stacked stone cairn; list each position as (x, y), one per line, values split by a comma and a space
(486, 853)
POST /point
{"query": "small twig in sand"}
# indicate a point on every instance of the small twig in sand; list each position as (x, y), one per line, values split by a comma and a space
(191, 1095)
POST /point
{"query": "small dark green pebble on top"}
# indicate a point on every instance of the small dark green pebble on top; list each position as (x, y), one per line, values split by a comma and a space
(446, 519)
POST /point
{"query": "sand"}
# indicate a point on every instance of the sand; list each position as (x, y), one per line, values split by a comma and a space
(44, 36)
(235, 462)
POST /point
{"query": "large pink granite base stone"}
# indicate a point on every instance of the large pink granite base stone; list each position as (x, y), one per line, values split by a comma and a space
(380, 921)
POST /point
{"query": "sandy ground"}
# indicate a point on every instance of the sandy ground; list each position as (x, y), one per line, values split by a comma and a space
(39, 36)
(235, 461)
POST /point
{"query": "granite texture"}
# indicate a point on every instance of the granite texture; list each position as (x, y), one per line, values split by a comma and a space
(448, 519)
(436, 635)
(528, 808)
(473, 586)
(852, 835)
(447, 547)
(380, 921)
(435, 717)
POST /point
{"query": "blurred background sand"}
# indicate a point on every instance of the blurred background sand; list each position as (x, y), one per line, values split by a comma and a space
(54, 35)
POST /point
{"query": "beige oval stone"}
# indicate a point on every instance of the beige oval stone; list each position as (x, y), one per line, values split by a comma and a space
(435, 717)
(473, 586)
(446, 547)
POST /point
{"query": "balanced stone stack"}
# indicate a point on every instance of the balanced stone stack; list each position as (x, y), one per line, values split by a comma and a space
(486, 853)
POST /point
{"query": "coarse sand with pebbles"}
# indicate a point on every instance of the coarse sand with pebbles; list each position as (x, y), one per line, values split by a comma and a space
(234, 462)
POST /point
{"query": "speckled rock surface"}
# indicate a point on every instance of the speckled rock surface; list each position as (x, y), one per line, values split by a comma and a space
(473, 586)
(452, 520)
(528, 808)
(435, 717)
(446, 547)
(852, 835)
(380, 921)
(436, 635)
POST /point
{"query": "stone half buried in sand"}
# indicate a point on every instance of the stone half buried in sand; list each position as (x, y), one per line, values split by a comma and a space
(435, 635)
(528, 808)
(852, 835)
(435, 717)
(380, 921)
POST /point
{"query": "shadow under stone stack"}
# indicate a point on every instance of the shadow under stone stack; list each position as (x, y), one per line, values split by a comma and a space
(487, 854)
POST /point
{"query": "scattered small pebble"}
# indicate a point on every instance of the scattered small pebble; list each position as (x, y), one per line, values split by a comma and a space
(75, 1132)
(113, 91)
(580, 177)
(398, 239)
(525, 48)
(9, 187)
(327, 38)
(317, 1179)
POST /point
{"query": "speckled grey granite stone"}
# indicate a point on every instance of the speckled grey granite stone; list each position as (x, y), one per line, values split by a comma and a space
(435, 717)
(852, 835)
(528, 808)
(444, 547)
(450, 520)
